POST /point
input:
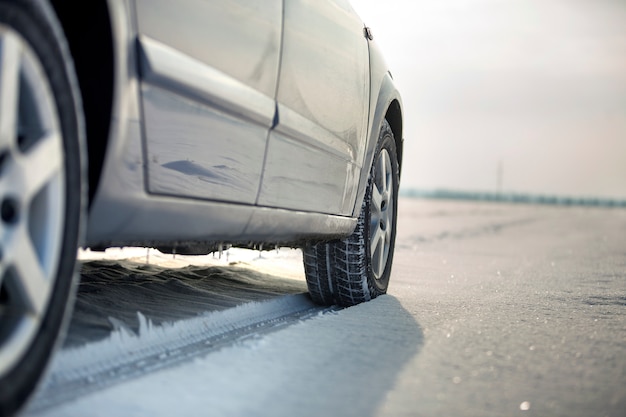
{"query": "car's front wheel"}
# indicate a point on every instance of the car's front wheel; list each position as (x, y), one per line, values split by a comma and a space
(357, 269)
(41, 195)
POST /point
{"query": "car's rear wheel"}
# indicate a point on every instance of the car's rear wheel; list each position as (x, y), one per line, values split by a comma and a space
(357, 269)
(41, 195)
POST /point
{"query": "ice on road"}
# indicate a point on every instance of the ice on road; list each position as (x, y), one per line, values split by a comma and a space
(493, 310)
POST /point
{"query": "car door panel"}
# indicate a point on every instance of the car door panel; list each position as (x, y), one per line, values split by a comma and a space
(323, 96)
(208, 94)
(302, 155)
(295, 168)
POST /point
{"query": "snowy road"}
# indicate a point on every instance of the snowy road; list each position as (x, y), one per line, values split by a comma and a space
(493, 310)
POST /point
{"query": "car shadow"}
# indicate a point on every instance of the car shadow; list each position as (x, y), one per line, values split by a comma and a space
(340, 362)
(111, 293)
(346, 363)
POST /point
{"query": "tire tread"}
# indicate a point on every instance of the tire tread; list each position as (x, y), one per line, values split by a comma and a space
(338, 272)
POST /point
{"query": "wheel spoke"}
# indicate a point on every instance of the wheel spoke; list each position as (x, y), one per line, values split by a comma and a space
(10, 52)
(387, 238)
(382, 255)
(32, 279)
(377, 200)
(387, 173)
(375, 215)
(387, 214)
(377, 244)
(382, 172)
(42, 163)
(377, 236)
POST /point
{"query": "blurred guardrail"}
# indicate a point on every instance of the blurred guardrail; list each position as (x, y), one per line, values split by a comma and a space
(506, 197)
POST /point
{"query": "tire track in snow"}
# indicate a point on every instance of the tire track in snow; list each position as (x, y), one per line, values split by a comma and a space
(78, 371)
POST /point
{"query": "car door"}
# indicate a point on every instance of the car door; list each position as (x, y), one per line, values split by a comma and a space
(208, 83)
(316, 150)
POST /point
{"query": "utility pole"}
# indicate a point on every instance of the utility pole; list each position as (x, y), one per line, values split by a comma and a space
(499, 174)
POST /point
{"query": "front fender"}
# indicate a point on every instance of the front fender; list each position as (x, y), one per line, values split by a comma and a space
(385, 101)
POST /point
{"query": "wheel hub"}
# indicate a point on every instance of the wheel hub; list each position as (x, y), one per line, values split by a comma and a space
(9, 211)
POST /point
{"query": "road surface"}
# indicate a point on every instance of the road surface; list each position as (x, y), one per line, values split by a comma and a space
(493, 310)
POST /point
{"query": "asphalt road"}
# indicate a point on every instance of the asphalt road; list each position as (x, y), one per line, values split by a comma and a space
(493, 310)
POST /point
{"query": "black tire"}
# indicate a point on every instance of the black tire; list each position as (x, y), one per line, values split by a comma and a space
(353, 270)
(41, 193)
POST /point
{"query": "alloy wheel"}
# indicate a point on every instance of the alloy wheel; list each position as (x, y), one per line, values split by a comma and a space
(32, 196)
(381, 213)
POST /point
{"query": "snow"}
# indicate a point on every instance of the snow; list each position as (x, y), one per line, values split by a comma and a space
(285, 262)
(123, 342)
(493, 310)
(278, 373)
(118, 283)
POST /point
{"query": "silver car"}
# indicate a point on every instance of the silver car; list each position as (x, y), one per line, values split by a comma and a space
(186, 125)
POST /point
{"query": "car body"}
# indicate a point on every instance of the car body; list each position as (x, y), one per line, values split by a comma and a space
(185, 126)
(284, 162)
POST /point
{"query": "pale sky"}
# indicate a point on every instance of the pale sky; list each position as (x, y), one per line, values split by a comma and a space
(536, 85)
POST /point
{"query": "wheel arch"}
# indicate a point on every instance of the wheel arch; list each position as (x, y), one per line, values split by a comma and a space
(87, 28)
(394, 117)
(385, 104)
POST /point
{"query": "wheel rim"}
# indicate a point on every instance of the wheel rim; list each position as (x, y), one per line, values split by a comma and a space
(381, 213)
(32, 196)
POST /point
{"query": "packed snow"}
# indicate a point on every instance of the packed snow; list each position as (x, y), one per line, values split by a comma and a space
(493, 310)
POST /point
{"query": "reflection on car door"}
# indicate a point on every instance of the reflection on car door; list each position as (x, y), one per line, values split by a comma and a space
(209, 75)
(316, 150)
